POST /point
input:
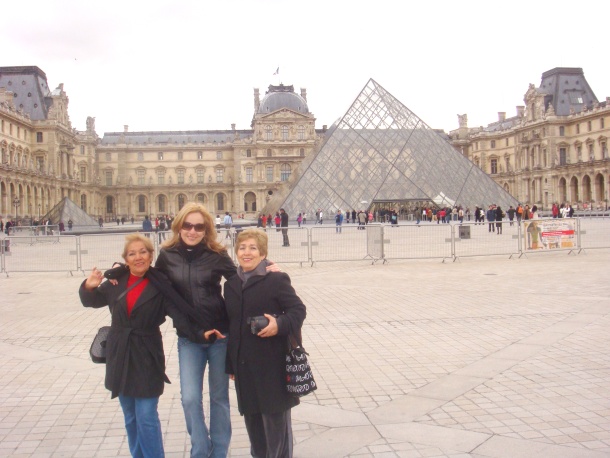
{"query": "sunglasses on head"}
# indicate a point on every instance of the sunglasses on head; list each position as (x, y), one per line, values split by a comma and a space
(199, 227)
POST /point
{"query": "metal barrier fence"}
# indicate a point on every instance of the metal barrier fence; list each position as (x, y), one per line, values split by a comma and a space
(377, 242)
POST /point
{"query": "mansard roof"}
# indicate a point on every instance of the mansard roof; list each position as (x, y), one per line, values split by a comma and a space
(567, 89)
(175, 137)
(30, 89)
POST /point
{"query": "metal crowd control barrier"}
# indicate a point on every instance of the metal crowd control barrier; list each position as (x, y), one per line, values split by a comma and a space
(339, 243)
(472, 239)
(385, 242)
(419, 241)
(25, 256)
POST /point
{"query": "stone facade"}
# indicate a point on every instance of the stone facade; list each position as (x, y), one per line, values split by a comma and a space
(132, 174)
(555, 149)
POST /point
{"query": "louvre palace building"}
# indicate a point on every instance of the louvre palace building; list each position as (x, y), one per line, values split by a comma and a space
(132, 174)
(553, 150)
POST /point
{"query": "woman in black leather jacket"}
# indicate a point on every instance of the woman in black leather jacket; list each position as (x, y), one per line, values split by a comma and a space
(195, 262)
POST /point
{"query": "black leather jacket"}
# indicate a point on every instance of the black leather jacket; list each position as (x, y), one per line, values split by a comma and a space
(196, 275)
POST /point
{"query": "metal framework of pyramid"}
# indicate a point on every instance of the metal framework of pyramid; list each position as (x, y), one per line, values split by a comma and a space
(67, 210)
(381, 151)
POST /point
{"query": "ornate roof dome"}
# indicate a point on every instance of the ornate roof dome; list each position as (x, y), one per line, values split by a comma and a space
(278, 97)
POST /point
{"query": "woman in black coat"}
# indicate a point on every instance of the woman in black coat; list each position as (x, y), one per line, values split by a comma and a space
(257, 362)
(135, 360)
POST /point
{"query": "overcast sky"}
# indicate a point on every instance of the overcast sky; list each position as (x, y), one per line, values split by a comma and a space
(191, 65)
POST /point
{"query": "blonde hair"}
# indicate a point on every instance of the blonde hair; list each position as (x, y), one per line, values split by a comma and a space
(209, 237)
(137, 237)
(260, 237)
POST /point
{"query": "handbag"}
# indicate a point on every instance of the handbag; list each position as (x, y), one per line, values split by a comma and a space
(299, 378)
(97, 351)
(98, 346)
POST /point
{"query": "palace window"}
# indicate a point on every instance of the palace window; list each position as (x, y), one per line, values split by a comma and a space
(200, 178)
(268, 133)
(602, 123)
(494, 166)
(141, 203)
(83, 174)
(302, 152)
(160, 156)
(493, 143)
(507, 142)
(140, 173)
(82, 149)
(589, 126)
(108, 157)
(285, 171)
(577, 128)
(563, 159)
(284, 133)
(562, 131)
(269, 173)
(161, 204)
(179, 155)
(108, 178)
(269, 153)
(248, 153)
(140, 156)
(301, 133)
(219, 155)
(109, 204)
(200, 155)
(220, 202)
(180, 173)
(220, 175)
(248, 174)
(160, 176)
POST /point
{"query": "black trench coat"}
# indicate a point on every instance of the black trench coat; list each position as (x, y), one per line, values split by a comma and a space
(135, 360)
(259, 364)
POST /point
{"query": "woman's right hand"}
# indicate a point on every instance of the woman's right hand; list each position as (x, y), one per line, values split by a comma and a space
(94, 280)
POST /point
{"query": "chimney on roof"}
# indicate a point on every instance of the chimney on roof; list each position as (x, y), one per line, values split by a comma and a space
(233, 126)
(304, 93)
(501, 116)
(257, 99)
(125, 128)
(520, 111)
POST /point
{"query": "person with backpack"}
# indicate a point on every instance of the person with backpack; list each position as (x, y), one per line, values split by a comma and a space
(519, 213)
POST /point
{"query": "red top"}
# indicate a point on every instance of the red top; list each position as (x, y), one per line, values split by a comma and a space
(134, 293)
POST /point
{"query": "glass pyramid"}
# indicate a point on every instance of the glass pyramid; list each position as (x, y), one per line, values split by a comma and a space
(67, 210)
(381, 152)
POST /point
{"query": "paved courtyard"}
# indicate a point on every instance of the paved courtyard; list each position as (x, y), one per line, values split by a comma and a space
(484, 357)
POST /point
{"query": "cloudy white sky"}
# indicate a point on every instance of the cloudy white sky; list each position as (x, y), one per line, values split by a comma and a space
(188, 65)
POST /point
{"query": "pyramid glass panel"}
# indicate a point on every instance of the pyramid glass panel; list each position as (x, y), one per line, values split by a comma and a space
(381, 151)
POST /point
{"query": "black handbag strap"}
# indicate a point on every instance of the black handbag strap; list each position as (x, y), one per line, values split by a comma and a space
(122, 295)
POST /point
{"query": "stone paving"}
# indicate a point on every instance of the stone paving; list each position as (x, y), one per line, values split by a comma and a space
(483, 357)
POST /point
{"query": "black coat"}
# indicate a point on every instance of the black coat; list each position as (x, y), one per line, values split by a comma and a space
(259, 364)
(197, 280)
(135, 360)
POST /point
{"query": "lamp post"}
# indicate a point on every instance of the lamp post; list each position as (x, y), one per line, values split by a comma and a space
(16, 203)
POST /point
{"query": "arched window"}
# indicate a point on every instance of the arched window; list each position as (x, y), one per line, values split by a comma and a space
(83, 202)
(250, 202)
(141, 203)
(109, 204)
(200, 198)
(181, 201)
(285, 171)
(220, 202)
(161, 204)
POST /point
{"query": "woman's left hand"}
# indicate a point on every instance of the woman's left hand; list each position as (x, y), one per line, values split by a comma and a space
(213, 332)
(271, 329)
(273, 267)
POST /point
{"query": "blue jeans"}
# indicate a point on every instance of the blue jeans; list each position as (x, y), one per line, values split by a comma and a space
(192, 359)
(143, 426)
